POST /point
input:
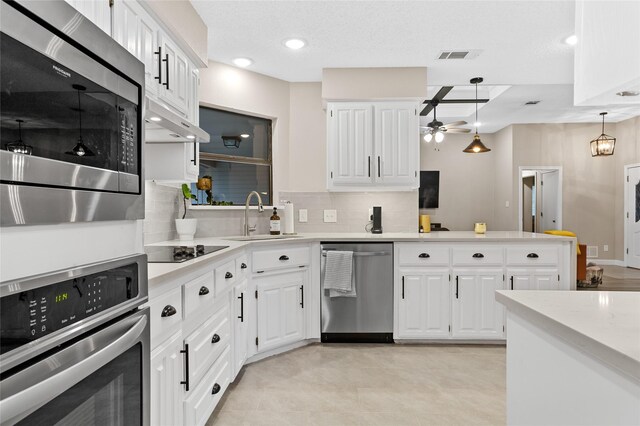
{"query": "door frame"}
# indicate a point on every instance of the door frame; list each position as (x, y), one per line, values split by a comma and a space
(519, 183)
(627, 209)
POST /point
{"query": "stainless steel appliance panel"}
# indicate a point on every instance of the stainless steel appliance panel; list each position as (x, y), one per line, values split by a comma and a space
(371, 311)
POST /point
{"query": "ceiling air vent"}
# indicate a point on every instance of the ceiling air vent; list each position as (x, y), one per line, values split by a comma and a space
(458, 54)
(532, 103)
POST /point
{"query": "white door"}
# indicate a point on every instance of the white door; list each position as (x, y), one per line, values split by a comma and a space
(549, 213)
(476, 314)
(632, 250)
(423, 307)
(280, 310)
(241, 322)
(350, 143)
(397, 143)
(166, 374)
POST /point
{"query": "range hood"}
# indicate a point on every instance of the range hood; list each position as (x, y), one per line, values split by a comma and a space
(164, 126)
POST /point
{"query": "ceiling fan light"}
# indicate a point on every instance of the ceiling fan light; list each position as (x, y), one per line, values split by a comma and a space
(439, 137)
(476, 146)
(428, 137)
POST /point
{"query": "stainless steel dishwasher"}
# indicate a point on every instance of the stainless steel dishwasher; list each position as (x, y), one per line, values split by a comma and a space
(368, 317)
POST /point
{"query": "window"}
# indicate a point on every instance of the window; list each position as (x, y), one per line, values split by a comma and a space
(238, 157)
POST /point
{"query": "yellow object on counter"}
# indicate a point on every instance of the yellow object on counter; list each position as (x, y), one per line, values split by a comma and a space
(480, 228)
(563, 233)
(425, 223)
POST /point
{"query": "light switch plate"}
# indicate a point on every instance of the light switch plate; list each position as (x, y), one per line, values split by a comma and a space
(506, 204)
(302, 215)
(330, 216)
(606, 247)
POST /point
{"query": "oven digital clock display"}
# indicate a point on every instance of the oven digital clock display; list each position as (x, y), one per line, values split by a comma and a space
(61, 297)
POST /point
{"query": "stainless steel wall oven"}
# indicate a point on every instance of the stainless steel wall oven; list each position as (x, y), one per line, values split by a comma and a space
(74, 346)
(71, 112)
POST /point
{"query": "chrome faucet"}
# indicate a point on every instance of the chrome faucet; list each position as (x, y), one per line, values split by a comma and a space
(247, 228)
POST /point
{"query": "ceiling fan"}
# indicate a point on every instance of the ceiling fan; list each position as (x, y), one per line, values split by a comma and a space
(436, 129)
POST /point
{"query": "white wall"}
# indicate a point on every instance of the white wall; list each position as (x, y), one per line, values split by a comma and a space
(374, 83)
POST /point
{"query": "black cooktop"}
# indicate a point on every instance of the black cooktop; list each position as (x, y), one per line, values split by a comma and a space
(173, 254)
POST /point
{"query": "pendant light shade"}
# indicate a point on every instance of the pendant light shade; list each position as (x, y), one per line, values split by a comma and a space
(80, 149)
(604, 144)
(19, 147)
(476, 146)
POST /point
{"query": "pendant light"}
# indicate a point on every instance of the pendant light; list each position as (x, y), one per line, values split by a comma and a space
(19, 147)
(80, 149)
(476, 146)
(604, 144)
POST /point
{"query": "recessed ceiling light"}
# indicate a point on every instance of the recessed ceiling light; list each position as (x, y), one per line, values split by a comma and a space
(572, 40)
(244, 135)
(628, 93)
(190, 137)
(242, 62)
(295, 43)
(155, 119)
(477, 124)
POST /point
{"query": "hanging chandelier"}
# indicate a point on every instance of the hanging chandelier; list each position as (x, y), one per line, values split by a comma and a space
(19, 147)
(604, 144)
(476, 146)
(80, 149)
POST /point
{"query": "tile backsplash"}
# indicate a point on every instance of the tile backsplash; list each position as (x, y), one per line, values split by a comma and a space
(399, 210)
(399, 213)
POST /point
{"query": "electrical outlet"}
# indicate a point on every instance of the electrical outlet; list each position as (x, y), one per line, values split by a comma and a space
(302, 215)
(506, 204)
(606, 247)
(330, 216)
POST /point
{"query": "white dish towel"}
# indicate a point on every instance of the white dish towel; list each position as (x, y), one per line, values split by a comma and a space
(338, 274)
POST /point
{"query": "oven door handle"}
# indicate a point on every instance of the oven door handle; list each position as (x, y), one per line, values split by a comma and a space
(24, 402)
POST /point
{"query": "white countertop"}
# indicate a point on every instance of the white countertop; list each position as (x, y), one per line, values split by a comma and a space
(158, 271)
(603, 323)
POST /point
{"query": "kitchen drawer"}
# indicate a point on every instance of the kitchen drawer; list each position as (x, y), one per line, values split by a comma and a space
(225, 277)
(242, 267)
(286, 257)
(533, 255)
(201, 403)
(480, 255)
(198, 294)
(420, 254)
(205, 347)
(166, 315)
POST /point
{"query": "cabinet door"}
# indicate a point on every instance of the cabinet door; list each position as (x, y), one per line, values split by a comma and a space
(192, 161)
(350, 144)
(545, 279)
(280, 310)
(476, 314)
(423, 308)
(194, 104)
(174, 75)
(397, 144)
(149, 54)
(126, 25)
(241, 320)
(166, 391)
(519, 279)
(97, 11)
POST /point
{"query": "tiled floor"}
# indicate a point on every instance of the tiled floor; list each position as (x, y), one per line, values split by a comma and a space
(391, 385)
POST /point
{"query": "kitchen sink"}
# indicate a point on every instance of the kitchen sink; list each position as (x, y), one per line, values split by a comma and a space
(263, 237)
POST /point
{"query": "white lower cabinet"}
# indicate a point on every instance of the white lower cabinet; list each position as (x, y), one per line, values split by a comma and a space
(280, 310)
(199, 405)
(533, 279)
(423, 304)
(241, 318)
(475, 312)
(167, 373)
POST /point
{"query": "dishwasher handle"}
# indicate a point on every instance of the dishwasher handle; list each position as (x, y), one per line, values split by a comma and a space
(362, 253)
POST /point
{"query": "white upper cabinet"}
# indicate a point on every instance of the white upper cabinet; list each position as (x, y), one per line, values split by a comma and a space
(97, 11)
(372, 146)
(175, 75)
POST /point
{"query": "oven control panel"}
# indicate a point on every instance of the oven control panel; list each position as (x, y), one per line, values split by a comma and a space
(32, 314)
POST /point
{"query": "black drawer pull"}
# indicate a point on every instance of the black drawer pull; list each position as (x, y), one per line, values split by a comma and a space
(241, 297)
(533, 255)
(168, 311)
(243, 266)
(166, 62)
(284, 257)
(216, 389)
(457, 287)
(203, 291)
(215, 338)
(159, 53)
(424, 255)
(228, 275)
(185, 382)
(478, 255)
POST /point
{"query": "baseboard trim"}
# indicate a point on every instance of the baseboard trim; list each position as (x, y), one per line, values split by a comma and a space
(278, 351)
(606, 262)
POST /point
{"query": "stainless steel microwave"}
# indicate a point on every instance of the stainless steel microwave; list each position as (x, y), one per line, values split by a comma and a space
(71, 112)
